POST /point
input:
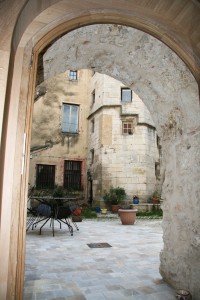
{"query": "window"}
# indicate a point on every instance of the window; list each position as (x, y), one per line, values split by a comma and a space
(45, 176)
(157, 170)
(126, 95)
(93, 97)
(73, 75)
(92, 156)
(92, 125)
(127, 128)
(72, 174)
(70, 118)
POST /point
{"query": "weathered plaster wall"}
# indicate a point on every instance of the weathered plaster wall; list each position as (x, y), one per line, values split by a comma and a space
(49, 145)
(171, 94)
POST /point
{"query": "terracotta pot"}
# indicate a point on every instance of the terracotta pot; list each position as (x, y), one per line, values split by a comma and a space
(127, 216)
(155, 200)
(183, 295)
(77, 218)
(114, 208)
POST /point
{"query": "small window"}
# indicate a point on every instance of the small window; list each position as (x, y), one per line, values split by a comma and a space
(73, 75)
(126, 95)
(70, 118)
(45, 176)
(93, 97)
(92, 125)
(127, 128)
(157, 170)
(92, 156)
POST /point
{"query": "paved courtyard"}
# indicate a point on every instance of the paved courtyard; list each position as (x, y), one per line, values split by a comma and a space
(64, 267)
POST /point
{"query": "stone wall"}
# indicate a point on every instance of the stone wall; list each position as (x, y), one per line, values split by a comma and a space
(121, 160)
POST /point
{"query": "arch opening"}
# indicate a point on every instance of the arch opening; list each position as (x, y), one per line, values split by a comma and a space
(157, 75)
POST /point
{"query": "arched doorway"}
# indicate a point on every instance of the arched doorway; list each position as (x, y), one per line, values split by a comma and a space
(22, 86)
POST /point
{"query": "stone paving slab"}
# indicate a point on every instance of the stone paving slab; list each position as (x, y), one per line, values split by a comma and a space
(64, 267)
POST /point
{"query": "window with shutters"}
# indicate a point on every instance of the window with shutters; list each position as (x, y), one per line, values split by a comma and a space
(70, 118)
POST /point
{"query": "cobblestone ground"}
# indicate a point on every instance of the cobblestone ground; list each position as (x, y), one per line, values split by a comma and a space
(64, 267)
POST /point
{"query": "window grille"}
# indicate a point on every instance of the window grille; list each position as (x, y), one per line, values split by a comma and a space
(72, 175)
(45, 176)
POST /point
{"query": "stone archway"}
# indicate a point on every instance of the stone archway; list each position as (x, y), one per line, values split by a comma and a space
(164, 83)
(137, 59)
(180, 134)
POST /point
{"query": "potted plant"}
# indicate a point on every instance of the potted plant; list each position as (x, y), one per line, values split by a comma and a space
(114, 197)
(135, 199)
(155, 197)
(127, 215)
(76, 214)
(96, 204)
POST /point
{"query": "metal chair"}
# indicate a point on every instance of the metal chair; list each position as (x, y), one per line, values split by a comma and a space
(44, 213)
(32, 214)
(59, 213)
(62, 214)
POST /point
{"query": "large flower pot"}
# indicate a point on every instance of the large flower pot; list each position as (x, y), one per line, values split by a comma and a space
(76, 218)
(155, 200)
(183, 295)
(127, 216)
(115, 208)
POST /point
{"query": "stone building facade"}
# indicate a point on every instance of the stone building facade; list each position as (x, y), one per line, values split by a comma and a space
(122, 140)
(91, 122)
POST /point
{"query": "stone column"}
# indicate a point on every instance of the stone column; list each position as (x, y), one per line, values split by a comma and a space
(180, 257)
